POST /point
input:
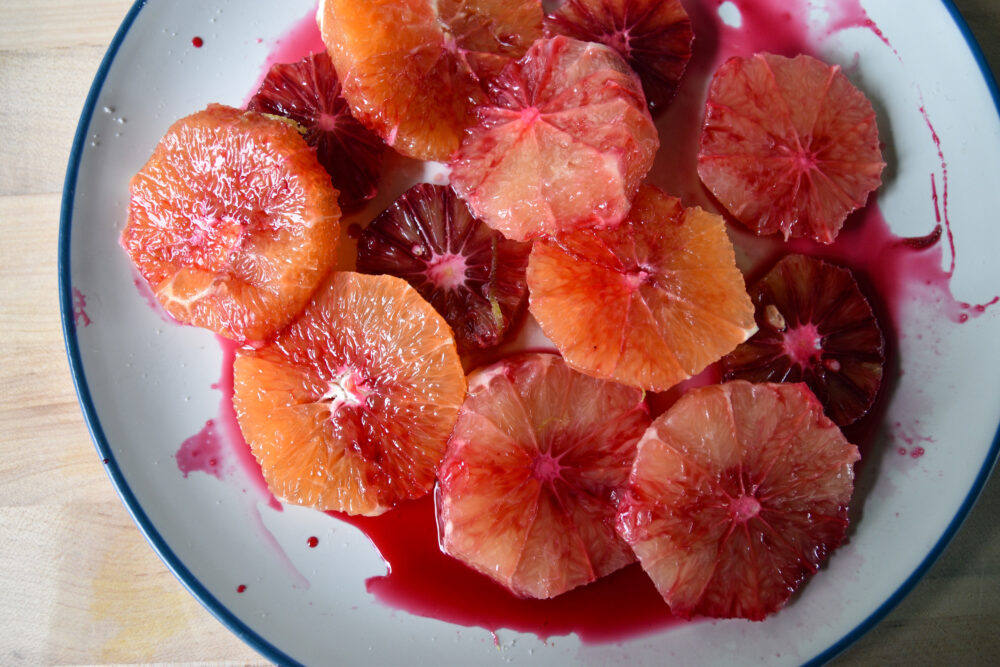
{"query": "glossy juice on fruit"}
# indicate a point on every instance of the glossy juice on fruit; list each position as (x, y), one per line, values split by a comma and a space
(891, 270)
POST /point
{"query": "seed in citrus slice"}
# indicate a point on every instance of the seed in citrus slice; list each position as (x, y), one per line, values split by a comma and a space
(525, 491)
(232, 222)
(737, 494)
(562, 143)
(308, 92)
(349, 408)
(789, 145)
(413, 69)
(654, 37)
(649, 303)
(814, 326)
(470, 273)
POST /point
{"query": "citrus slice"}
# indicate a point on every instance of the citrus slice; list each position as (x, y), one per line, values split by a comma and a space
(789, 145)
(470, 273)
(562, 143)
(654, 37)
(308, 92)
(350, 407)
(233, 222)
(737, 494)
(413, 69)
(525, 492)
(649, 303)
(814, 326)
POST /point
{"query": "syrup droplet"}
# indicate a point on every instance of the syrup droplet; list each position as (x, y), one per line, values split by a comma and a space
(240, 588)
(312, 542)
(197, 42)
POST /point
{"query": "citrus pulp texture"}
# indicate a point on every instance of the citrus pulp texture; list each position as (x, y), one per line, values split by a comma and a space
(561, 144)
(308, 92)
(737, 494)
(233, 222)
(525, 492)
(413, 69)
(649, 303)
(789, 145)
(470, 273)
(814, 326)
(653, 36)
(350, 407)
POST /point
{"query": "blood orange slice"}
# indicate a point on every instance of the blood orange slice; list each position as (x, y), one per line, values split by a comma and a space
(814, 326)
(308, 92)
(654, 37)
(649, 303)
(412, 69)
(350, 407)
(470, 273)
(789, 145)
(525, 489)
(232, 222)
(737, 494)
(562, 143)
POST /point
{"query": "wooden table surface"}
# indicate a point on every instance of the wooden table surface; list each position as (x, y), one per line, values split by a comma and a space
(78, 583)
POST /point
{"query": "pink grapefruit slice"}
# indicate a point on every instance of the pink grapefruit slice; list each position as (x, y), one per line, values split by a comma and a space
(737, 494)
(561, 144)
(526, 489)
(789, 145)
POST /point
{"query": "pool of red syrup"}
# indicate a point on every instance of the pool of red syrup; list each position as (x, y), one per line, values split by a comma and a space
(891, 271)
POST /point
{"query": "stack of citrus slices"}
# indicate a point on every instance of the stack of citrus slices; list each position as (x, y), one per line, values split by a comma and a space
(548, 467)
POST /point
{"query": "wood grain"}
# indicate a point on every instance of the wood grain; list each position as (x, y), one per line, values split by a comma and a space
(79, 583)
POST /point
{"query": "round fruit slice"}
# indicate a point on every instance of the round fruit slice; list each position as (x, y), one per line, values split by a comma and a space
(232, 222)
(413, 69)
(737, 494)
(470, 273)
(654, 37)
(350, 407)
(814, 326)
(789, 145)
(525, 492)
(308, 92)
(561, 145)
(649, 303)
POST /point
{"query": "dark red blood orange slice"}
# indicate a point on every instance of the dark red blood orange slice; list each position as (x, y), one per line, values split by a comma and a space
(349, 408)
(413, 69)
(737, 494)
(470, 273)
(789, 145)
(814, 326)
(654, 37)
(562, 143)
(308, 92)
(649, 303)
(232, 222)
(525, 491)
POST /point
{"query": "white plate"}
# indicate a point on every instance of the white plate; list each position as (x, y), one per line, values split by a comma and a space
(145, 385)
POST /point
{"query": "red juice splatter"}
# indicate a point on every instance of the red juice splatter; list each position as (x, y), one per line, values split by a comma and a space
(301, 40)
(424, 581)
(202, 452)
(240, 588)
(313, 542)
(146, 292)
(197, 42)
(80, 317)
(917, 452)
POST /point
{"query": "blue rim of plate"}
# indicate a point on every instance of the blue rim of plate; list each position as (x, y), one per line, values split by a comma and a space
(174, 563)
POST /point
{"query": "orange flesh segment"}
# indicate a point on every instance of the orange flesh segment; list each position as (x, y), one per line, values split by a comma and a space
(649, 303)
(233, 222)
(350, 407)
(413, 69)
